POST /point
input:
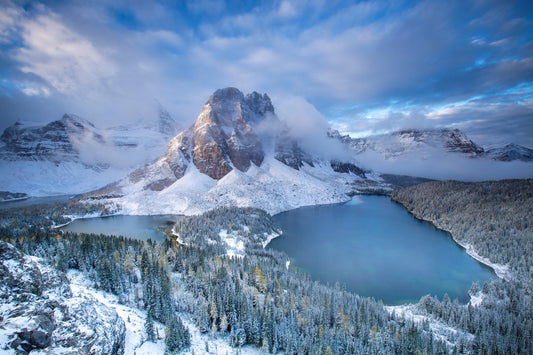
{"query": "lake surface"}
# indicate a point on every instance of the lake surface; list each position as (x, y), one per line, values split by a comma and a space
(31, 201)
(137, 227)
(376, 248)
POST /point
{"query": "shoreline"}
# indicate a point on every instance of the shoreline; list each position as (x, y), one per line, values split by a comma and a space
(501, 271)
(87, 216)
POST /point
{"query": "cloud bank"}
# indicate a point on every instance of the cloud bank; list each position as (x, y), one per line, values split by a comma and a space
(434, 164)
(368, 67)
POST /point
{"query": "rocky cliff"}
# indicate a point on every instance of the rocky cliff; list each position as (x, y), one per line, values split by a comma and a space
(228, 134)
(39, 312)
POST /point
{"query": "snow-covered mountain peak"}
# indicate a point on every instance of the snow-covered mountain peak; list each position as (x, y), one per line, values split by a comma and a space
(166, 124)
(511, 151)
(221, 160)
(73, 121)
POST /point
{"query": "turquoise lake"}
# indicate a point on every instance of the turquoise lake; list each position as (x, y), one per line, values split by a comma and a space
(375, 248)
(138, 227)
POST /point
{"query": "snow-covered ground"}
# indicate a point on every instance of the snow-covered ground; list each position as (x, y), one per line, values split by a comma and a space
(439, 329)
(502, 271)
(45, 178)
(273, 187)
(134, 319)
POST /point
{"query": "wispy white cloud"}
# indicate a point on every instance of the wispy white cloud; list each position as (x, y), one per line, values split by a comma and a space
(66, 60)
(350, 60)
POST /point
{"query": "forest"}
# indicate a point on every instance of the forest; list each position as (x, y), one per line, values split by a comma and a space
(495, 218)
(252, 226)
(252, 300)
(257, 300)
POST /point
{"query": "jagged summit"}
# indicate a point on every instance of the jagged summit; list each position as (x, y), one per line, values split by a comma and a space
(234, 134)
(229, 105)
(222, 136)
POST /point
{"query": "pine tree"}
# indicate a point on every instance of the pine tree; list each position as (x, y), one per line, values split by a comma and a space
(149, 325)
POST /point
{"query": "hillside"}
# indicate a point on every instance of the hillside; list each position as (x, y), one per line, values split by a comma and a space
(493, 217)
(238, 153)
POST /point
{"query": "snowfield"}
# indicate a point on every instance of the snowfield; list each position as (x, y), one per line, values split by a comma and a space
(44, 178)
(273, 187)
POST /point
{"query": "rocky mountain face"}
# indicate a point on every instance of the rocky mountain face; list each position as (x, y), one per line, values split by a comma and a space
(71, 155)
(398, 143)
(511, 151)
(39, 313)
(53, 141)
(222, 135)
(228, 134)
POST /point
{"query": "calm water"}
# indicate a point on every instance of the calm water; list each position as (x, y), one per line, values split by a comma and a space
(374, 247)
(31, 201)
(138, 227)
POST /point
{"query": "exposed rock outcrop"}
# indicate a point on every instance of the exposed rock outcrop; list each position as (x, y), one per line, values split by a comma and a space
(233, 131)
(38, 311)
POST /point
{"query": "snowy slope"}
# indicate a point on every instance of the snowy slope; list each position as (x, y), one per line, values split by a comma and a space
(273, 187)
(135, 342)
(71, 155)
(511, 151)
(395, 144)
(44, 178)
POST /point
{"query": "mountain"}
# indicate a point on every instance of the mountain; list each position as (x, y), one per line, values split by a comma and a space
(511, 151)
(237, 153)
(71, 155)
(405, 141)
(39, 312)
(52, 142)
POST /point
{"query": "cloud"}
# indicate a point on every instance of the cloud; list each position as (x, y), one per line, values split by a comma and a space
(286, 9)
(310, 128)
(400, 59)
(63, 58)
(434, 164)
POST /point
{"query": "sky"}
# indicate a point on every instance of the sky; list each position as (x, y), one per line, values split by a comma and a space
(365, 67)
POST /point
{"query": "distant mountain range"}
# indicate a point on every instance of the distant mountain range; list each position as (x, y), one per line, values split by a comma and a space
(238, 152)
(511, 151)
(395, 144)
(71, 155)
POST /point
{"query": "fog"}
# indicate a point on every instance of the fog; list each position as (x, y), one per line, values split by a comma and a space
(309, 127)
(434, 164)
(103, 151)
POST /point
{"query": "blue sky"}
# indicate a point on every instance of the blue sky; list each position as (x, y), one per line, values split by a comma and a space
(367, 67)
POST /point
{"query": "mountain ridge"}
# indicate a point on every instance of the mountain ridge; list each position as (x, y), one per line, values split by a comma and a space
(72, 155)
(228, 157)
